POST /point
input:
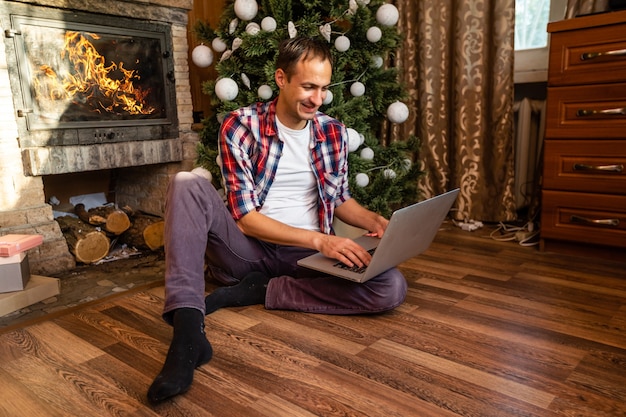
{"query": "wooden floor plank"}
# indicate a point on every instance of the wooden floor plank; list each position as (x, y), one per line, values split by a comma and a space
(65, 389)
(274, 406)
(17, 399)
(307, 334)
(468, 374)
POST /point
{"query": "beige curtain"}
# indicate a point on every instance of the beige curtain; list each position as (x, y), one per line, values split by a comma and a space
(582, 7)
(457, 63)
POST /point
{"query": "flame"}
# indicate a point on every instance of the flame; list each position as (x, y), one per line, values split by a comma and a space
(104, 88)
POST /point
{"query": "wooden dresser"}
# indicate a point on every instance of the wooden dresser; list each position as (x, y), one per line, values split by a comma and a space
(584, 179)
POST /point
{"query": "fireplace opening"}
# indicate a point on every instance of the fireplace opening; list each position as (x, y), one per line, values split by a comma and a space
(59, 190)
(99, 220)
(84, 82)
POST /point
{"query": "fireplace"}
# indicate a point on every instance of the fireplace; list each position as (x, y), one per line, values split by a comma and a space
(84, 88)
(83, 82)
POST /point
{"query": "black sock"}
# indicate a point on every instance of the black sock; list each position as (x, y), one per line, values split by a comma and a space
(251, 290)
(188, 350)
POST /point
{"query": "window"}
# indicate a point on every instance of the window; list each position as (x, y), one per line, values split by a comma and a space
(531, 37)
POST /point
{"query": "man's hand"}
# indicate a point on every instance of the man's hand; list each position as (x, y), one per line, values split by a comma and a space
(343, 249)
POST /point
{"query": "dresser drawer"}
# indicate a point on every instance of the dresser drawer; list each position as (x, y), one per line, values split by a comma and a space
(588, 56)
(583, 217)
(597, 166)
(596, 111)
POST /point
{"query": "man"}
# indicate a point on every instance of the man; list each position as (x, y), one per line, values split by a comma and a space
(286, 176)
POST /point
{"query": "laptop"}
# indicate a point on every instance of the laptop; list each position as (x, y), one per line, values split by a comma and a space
(410, 232)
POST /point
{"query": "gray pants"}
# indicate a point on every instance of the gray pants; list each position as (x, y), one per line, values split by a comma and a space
(199, 228)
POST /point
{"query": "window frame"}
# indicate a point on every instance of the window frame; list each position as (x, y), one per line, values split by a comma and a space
(531, 65)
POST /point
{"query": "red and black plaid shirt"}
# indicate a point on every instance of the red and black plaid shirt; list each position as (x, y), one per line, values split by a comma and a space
(250, 150)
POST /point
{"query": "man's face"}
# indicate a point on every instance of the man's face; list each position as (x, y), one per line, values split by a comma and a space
(301, 96)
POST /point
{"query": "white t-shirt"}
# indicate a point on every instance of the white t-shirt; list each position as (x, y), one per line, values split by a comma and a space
(292, 198)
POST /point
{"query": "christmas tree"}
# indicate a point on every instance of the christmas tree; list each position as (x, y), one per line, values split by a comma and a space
(363, 91)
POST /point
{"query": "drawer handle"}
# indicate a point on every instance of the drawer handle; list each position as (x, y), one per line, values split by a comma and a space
(603, 222)
(591, 55)
(619, 111)
(609, 168)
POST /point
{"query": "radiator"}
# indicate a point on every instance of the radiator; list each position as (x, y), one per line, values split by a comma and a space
(529, 132)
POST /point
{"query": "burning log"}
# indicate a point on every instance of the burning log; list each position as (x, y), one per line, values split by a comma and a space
(146, 232)
(113, 220)
(86, 242)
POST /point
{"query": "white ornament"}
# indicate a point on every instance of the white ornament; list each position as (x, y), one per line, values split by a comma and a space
(387, 15)
(232, 26)
(245, 80)
(325, 31)
(397, 112)
(362, 179)
(236, 44)
(226, 89)
(226, 55)
(253, 28)
(246, 9)
(342, 43)
(268, 24)
(291, 29)
(329, 97)
(367, 154)
(354, 141)
(265, 92)
(406, 163)
(202, 56)
(218, 45)
(374, 34)
(352, 7)
(377, 61)
(389, 173)
(357, 89)
(361, 139)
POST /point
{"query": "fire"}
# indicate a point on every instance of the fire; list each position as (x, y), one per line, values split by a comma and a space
(91, 82)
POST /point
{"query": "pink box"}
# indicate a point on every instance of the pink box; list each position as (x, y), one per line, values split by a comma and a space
(13, 244)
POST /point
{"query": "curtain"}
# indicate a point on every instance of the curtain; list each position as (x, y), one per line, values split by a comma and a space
(457, 64)
(582, 7)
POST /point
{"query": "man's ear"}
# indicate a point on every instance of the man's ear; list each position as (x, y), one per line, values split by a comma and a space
(280, 77)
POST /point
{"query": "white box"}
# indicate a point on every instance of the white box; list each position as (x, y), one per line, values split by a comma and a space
(14, 272)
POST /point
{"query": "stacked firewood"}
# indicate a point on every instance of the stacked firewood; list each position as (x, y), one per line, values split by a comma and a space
(90, 235)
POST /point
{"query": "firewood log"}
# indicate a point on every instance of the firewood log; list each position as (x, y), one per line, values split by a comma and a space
(146, 232)
(87, 217)
(86, 242)
(112, 219)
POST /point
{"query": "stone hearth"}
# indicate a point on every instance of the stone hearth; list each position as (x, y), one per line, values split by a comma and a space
(143, 167)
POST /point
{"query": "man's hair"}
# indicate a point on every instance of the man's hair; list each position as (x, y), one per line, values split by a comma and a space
(291, 51)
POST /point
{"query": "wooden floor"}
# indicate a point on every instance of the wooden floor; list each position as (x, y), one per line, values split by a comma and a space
(488, 329)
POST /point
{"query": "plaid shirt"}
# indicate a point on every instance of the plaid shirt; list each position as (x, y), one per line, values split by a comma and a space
(250, 150)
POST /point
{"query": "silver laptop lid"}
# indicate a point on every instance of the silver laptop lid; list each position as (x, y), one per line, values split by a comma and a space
(411, 231)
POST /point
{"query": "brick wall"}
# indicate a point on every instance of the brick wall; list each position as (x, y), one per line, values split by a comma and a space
(23, 208)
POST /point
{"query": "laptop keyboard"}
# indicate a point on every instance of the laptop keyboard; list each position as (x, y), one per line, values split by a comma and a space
(354, 268)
